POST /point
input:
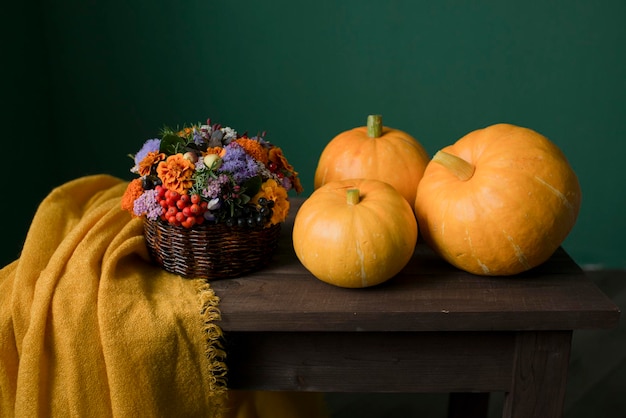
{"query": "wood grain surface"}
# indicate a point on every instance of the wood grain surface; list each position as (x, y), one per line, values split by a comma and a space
(428, 295)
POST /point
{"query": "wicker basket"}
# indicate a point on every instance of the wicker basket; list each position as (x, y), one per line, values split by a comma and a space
(210, 251)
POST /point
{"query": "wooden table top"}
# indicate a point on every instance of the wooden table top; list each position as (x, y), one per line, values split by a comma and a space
(428, 295)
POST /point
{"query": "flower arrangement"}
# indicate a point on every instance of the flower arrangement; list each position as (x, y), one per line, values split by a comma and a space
(207, 173)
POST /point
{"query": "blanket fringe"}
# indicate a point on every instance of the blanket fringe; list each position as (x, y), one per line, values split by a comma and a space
(214, 349)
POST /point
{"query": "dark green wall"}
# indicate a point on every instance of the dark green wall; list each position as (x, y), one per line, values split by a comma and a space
(89, 81)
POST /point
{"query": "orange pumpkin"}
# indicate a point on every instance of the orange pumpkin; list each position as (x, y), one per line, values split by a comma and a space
(499, 201)
(374, 152)
(355, 233)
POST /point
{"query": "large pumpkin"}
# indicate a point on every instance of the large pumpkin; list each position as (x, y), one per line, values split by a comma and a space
(499, 201)
(355, 233)
(374, 152)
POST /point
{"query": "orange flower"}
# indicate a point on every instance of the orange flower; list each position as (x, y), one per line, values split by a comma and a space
(254, 149)
(297, 186)
(145, 166)
(213, 150)
(277, 157)
(176, 173)
(273, 191)
(185, 132)
(133, 191)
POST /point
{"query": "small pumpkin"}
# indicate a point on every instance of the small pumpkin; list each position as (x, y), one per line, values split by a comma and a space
(355, 233)
(374, 152)
(499, 201)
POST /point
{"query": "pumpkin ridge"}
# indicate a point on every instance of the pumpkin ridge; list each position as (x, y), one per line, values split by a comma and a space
(408, 141)
(558, 193)
(519, 254)
(358, 225)
(483, 208)
(361, 258)
(521, 257)
(479, 207)
(483, 266)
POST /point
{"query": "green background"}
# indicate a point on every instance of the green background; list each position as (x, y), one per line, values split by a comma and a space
(86, 82)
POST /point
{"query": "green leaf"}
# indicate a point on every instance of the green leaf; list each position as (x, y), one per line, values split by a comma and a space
(244, 199)
(172, 144)
(253, 185)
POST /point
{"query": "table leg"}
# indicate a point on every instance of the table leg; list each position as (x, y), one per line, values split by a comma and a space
(468, 405)
(539, 375)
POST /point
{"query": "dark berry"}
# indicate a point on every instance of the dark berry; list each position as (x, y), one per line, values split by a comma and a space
(150, 182)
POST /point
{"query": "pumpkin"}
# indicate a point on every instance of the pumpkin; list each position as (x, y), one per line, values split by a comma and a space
(355, 233)
(499, 201)
(374, 152)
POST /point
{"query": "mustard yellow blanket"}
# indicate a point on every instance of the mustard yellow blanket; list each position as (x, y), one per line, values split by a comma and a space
(90, 328)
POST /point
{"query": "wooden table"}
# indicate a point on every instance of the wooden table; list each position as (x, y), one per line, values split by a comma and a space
(432, 328)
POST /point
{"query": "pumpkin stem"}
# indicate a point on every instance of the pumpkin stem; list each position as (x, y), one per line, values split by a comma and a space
(374, 126)
(461, 168)
(353, 196)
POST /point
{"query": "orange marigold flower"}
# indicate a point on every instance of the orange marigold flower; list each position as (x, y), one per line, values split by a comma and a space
(277, 157)
(213, 150)
(254, 149)
(176, 173)
(273, 191)
(145, 166)
(132, 192)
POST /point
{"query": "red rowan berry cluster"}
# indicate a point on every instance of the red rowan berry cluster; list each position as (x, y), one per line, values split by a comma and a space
(181, 209)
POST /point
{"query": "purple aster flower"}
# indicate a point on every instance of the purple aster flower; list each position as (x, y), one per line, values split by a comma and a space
(197, 136)
(237, 162)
